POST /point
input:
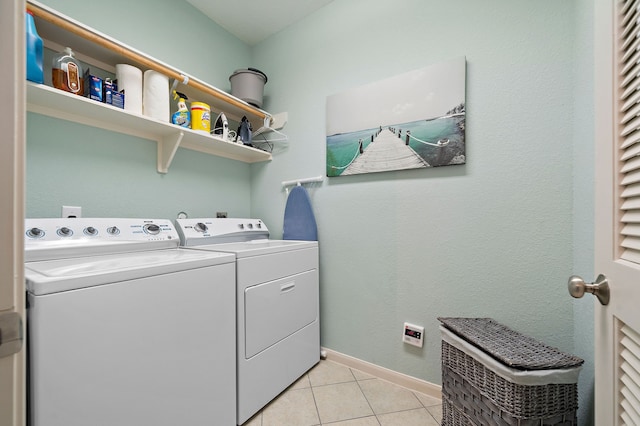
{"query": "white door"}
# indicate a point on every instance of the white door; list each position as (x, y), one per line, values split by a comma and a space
(617, 215)
(12, 141)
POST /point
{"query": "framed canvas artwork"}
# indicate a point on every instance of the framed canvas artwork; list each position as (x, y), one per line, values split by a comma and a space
(410, 121)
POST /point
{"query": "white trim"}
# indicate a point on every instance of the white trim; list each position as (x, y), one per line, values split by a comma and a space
(395, 377)
(12, 159)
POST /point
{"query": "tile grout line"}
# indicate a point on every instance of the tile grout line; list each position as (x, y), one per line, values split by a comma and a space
(427, 408)
(352, 371)
(422, 405)
(336, 383)
(364, 394)
(315, 403)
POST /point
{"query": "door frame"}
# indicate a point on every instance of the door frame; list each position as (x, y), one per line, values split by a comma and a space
(12, 192)
(604, 116)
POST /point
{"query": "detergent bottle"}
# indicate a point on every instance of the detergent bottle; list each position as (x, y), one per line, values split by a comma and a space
(67, 73)
(34, 51)
(182, 117)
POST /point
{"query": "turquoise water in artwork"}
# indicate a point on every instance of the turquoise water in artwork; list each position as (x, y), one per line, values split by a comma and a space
(343, 148)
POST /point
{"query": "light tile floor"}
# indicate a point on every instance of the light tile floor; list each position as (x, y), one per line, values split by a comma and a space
(333, 394)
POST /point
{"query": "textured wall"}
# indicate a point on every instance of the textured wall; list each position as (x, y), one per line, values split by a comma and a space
(583, 202)
(169, 30)
(490, 238)
(496, 237)
(110, 174)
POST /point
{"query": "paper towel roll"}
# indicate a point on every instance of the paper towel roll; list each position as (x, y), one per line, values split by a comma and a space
(130, 80)
(155, 96)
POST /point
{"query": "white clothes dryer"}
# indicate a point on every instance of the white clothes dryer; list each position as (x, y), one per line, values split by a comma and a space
(125, 328)
(278, 327)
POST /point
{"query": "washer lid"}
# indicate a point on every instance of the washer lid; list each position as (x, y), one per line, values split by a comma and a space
(53, 276)
(258, 247)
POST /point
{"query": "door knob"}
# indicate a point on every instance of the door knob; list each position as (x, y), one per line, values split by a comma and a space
(600, 288)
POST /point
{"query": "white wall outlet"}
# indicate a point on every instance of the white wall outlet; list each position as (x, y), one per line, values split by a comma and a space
(413, 334)
(71, 211)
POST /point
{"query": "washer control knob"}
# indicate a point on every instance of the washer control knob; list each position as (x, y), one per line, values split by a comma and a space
(200, 227)
(35, 233)
(65, 232)
(151, 229)
(241, 226)
(90, 230)
(113, 230)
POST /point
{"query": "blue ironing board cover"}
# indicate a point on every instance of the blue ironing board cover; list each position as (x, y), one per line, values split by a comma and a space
(299, 220)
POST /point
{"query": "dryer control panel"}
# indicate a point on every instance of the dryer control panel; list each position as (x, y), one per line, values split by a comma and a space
(220, 230)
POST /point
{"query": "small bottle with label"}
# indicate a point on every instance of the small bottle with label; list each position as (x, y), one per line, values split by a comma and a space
(67, 73)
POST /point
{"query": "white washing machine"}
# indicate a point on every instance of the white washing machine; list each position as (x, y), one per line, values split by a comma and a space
(278, 323)
(125, 328)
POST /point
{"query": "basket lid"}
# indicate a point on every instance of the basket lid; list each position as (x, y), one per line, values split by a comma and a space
(508, 346)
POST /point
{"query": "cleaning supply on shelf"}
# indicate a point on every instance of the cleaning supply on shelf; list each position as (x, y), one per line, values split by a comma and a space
(182, 117)
(67, 73)
(108, 88)
(92, 86)
(200, 117)
(34, 51)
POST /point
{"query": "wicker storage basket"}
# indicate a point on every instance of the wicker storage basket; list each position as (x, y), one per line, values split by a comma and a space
(492, 375)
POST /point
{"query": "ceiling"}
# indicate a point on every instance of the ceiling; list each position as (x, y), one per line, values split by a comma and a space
(254, 20)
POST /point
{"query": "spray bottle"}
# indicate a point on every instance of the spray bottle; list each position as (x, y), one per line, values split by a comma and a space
(182, 117)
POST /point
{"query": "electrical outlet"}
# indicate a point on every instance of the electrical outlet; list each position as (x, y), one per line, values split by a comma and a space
(71, 211)
(221, 215)
(413, 334)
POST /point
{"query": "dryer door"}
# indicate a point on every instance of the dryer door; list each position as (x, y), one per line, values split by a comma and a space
(277, 309)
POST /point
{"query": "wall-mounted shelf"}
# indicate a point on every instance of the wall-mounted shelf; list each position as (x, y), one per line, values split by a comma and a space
(52, 102)
(100, 50)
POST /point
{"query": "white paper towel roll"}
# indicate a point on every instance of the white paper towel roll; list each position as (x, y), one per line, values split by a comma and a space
(155, 96)
(130, 80)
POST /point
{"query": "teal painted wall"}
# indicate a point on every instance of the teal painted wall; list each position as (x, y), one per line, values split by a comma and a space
(494, 237)
(583, 200)
(172, 31)
(110, 174)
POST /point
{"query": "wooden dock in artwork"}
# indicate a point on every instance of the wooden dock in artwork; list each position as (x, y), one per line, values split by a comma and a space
(386, 152)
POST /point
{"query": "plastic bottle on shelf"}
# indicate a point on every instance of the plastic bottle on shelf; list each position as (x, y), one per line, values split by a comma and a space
(67, 73)
(34, 51)
(182, 117)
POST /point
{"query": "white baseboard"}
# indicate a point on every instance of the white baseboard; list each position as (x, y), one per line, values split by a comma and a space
(400, 379)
